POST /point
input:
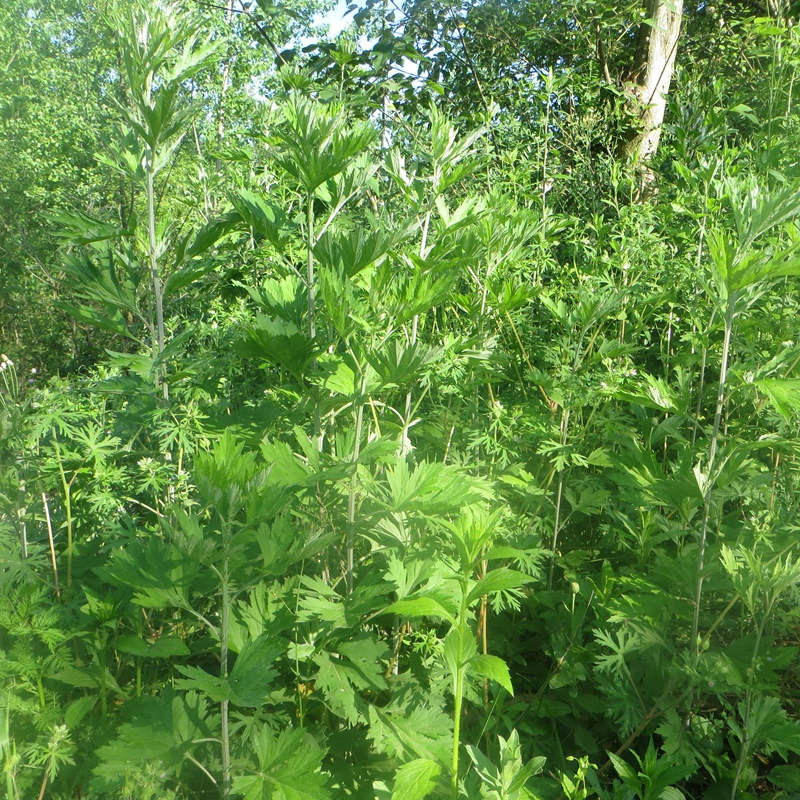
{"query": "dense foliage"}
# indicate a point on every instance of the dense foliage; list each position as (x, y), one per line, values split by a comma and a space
(366, 429)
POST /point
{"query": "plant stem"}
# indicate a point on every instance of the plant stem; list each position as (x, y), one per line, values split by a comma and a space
(559, 492)
(351, 500)
(723, 375)
(52, 546)
(158, 293)
(223, 666)
(312, 301)
(748, 706)
(457, 699)
(67, 486)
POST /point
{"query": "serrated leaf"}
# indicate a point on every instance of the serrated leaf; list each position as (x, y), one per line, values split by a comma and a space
(498, 580)
(624, 770)
(263, 217)
(416, 779)
(493, 668)
(204, 682)
(250, 678)
(420, 732)
(419, 607)
(288, 768)
(285, 469)
(164, 647)
(161, 729)
(365, 655)
(783, 393)
(342, 381)
(72, 676)
(183, 277)
(113, 321)
(786, 776)
(332, 680)
(78, 709)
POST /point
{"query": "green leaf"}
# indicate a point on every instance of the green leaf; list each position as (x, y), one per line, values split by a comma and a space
(350, 253)
(285, 469)
(198, 679)
(331, 679)
(624, 770)
(342, 381)
(157, 572)
(137, 363)
(493, 668)
(161, 729)
(274, 341)
(183, 277)
(783, 393)
(498, 580)
(419, 607)
(113, 322)
(431, 488)
(365, 655)
(164, 647)
(78, 709)
(252, 674)
(82, 229)
(786, 776)
(459, 648)
(264, 218)
(72, 676)
(288, 768)
(416, 779)
(209, 235)
(399, 363)
(418, 732)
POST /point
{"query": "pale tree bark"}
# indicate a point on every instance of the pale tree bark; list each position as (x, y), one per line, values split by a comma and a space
(648, 81)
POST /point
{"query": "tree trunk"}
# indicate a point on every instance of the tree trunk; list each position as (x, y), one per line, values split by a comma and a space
(647, 84)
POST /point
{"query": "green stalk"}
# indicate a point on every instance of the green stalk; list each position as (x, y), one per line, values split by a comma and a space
(730, 314)
(300, 712)
(8, 751)
(559, 492)
(456, 726)
(312, 300)
(423, 253)
(351, 500)
(312, 328)
(103, 687)
(66, 486)
(749, 704)
(458, 694)
(158, 293)
(223, 668)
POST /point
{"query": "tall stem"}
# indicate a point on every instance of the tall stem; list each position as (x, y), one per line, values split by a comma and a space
(67, 487)
(423, 252)
(223, 670)
(52, 546)
(458, 692)
(312, 301)
(748, 707)
(712, 454)
(351, 500)
(559, 493)
(158, 293)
